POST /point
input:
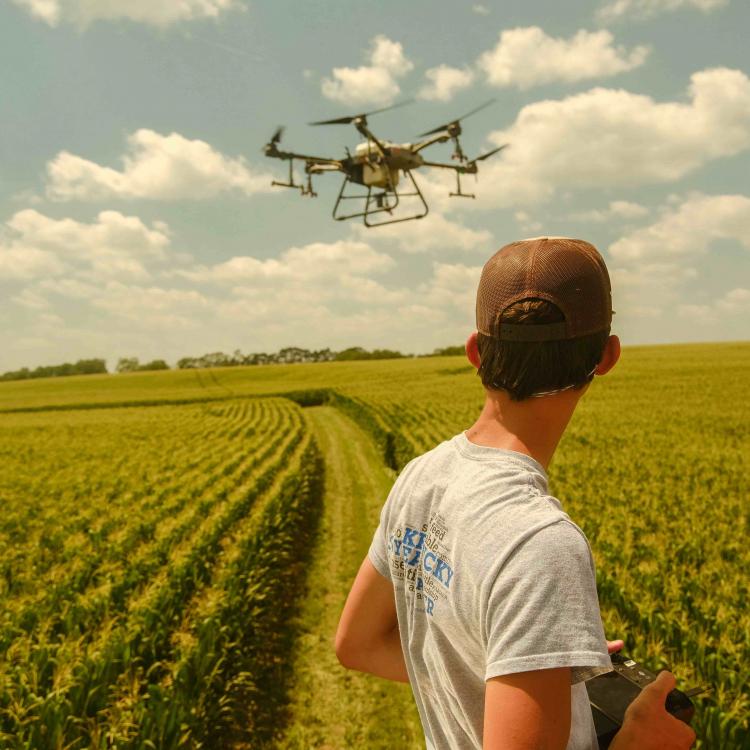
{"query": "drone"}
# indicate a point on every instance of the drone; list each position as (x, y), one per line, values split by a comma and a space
(377, 165)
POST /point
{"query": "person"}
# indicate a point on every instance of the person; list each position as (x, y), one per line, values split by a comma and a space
(478, 589)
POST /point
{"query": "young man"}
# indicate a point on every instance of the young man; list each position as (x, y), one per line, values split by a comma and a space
(478, 588)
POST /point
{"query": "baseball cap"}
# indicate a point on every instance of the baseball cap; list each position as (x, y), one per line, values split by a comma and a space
(568, 272)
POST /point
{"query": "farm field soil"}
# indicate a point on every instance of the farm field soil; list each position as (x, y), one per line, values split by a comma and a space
(331, 707)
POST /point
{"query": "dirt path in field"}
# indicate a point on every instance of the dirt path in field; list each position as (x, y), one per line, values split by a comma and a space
(333, 708)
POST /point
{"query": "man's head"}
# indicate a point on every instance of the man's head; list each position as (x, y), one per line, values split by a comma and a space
(544, 310)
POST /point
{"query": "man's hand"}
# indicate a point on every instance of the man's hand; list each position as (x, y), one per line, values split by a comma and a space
(613, 646)
(649, 726)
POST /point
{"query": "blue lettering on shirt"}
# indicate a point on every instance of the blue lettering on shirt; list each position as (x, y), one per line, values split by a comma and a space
(409, 536)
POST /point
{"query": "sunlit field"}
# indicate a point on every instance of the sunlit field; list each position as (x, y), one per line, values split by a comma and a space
(176, 547)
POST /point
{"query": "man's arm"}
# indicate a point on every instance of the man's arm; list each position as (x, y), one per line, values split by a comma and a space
(368, 638)
(527, 710)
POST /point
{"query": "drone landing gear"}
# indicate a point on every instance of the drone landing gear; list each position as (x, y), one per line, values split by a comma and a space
(380, 202)
(306, 189)
(459, 193)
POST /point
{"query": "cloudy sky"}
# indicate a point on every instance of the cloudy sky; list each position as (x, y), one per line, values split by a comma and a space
(137, 216)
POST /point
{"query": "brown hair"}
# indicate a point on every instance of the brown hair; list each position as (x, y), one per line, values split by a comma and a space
(523, 368)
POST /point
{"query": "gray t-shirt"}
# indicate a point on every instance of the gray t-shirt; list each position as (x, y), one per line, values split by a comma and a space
(491, 577)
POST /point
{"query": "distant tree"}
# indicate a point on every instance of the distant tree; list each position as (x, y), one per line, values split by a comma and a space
(82, 367)
(287, 355)
(447, 351)
(89, 367)
(215, 359)
(357, 352)
(155, 364)
(127, 364)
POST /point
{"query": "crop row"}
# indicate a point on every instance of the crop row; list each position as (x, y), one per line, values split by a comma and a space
(60, 679)
(112, 567)
(64, 517)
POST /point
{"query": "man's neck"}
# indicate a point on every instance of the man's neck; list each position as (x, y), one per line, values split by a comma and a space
(533, 426)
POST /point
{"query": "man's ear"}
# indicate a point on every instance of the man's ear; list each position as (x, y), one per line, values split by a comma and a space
(610, 355)
(472, 350)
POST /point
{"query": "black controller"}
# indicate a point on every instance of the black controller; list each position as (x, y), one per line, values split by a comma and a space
(611, 693)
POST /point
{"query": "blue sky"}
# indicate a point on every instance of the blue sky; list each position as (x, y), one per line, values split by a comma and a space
(137, 216)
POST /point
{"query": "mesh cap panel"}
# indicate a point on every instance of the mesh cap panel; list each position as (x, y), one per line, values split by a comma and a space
(569, 273)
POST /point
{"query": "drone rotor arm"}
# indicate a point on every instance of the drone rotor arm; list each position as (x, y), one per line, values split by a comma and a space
(276, 154)
(442, 138)
(461, 168)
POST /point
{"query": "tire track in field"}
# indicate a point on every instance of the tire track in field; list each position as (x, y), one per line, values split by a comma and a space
(333, 708)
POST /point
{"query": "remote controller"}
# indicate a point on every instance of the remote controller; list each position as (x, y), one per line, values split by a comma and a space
(611, 693)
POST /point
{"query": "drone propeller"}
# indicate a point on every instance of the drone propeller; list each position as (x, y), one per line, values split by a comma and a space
(276, 137)
(488, 154)
(453, 124)
(363, 115)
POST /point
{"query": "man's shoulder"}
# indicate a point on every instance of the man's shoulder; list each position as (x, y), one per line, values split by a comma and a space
(559, 538)
(563, 531)
(436, 453)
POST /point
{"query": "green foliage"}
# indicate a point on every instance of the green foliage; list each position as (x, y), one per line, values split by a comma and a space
(127, 364)
(448, 351)
(81, 367)
(357, 352)
(289, 355)
(132, 364)
(154, 364)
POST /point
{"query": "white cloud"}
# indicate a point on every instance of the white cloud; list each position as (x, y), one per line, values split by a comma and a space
(444, 82)
(480, 9)
(21, 262)
(300, 265)
(162, 13)
(527, 224)
(641, 9)
(327, 291)
(433, 232)
(736, 300)
(610, 137)
(615, 210)
(734, 303)
(526, 57)
(375, 83)
(656, 262)
(452, 286)
(645, 290)
(689, 229)
(152, 306)
(168, 167)
(31, 299)
(114, 246)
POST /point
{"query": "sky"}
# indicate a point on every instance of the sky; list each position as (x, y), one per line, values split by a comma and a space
(137, 216)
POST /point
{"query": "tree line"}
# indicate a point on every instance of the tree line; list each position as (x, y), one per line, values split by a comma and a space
(288, 355)
(82, 367)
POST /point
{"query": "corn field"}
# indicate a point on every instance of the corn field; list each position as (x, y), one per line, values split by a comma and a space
(156, 531)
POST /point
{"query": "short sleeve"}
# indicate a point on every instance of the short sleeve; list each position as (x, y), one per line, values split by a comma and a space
(543, 610)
